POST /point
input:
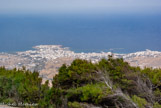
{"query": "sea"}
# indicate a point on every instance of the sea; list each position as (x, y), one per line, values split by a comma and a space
(120, 33)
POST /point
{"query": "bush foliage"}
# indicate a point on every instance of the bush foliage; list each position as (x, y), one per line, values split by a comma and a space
(110, 82)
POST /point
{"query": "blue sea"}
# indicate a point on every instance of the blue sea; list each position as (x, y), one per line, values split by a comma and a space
(82, 33)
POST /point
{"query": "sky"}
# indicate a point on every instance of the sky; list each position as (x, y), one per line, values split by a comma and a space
(79, 6)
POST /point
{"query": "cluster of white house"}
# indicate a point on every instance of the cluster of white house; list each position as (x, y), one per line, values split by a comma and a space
(147, 53)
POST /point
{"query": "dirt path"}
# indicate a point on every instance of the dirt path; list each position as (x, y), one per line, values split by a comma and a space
(5, 106)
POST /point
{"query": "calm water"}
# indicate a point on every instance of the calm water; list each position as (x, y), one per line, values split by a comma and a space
(86, 33)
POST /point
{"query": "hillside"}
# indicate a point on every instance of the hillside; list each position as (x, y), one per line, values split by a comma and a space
(110, 83)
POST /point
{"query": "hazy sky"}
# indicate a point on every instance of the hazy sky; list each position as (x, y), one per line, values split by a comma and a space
(79, 6)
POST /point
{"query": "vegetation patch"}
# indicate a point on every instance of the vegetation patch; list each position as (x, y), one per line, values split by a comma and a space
(108, 83)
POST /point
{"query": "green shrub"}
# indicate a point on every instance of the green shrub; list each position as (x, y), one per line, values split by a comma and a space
(139, 101)
(154, 75)
(90, 92)
(78, 73)
(9, 101)
(20, 85)
(156, 105)
(74, 105)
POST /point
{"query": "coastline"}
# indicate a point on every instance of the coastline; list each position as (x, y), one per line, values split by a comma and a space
(46, 59)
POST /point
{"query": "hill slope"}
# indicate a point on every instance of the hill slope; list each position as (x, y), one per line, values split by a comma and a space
(110, 83)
